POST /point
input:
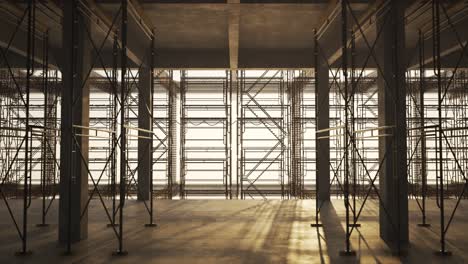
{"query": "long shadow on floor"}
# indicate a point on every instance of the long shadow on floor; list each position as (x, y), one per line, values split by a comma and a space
(333, 235)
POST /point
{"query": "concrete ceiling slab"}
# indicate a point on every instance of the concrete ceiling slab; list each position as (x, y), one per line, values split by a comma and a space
(279, 26)
(189, 26)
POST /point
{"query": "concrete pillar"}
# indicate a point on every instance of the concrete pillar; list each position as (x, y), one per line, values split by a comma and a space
(323, 122)
(234, 83)
(145, 154)
(393, 213)
(73, 187)
(173, 139)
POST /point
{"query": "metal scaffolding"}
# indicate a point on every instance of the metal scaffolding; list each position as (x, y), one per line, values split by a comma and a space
(301, 94)
(165, 95)
(235, 134)
(205, 144)
(356, 138)
(263, 130)
(29, 135)
(116, 130)
(436, 107)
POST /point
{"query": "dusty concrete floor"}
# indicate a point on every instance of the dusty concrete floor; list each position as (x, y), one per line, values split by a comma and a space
(219, 231)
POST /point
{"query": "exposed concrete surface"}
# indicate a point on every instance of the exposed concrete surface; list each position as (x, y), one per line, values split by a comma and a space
(218, 231)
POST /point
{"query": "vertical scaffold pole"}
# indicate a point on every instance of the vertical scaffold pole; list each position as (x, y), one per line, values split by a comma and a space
(26, 182)
(123, 142)
(317, 187)
(353, 128)
(423, 134)
(437, 70)
(114, 128)
(151, 223)
(344, 68)
(45, 84)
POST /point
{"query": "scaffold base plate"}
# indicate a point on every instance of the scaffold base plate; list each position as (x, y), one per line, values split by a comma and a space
(348, 253)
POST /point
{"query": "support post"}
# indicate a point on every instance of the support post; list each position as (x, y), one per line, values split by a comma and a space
(172, 139)
(344, 68)
(73, 219)
(352, 112)
(436, 4)
(151, 103)
(28, 135)
(234, 82)
(45, 136)
(123, 131)
(145, 142)
(322, 112)
(393, 213)
(422, 88)
(322, 156)
(183, 131)
(113, 166)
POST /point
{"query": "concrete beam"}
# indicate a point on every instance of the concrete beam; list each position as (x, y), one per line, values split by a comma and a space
(18, 44)
(276, 58)
(234, 18)
(139, 15)
(449, 44)
(192, 58)
(247, 58)
(137, 32)
(332, 24)
(450, 47)
(102, 23)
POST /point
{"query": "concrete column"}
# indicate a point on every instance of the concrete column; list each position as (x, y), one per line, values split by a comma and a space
(323, 121)
(73, 187)
(173, 139)
(393, 213)
(234, 82)
(145, 155)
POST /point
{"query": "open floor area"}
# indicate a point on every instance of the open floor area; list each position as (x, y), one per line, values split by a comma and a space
(249, 231)
(205, 131)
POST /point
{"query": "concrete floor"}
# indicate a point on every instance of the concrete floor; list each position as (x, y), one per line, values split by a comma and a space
(219, 231)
